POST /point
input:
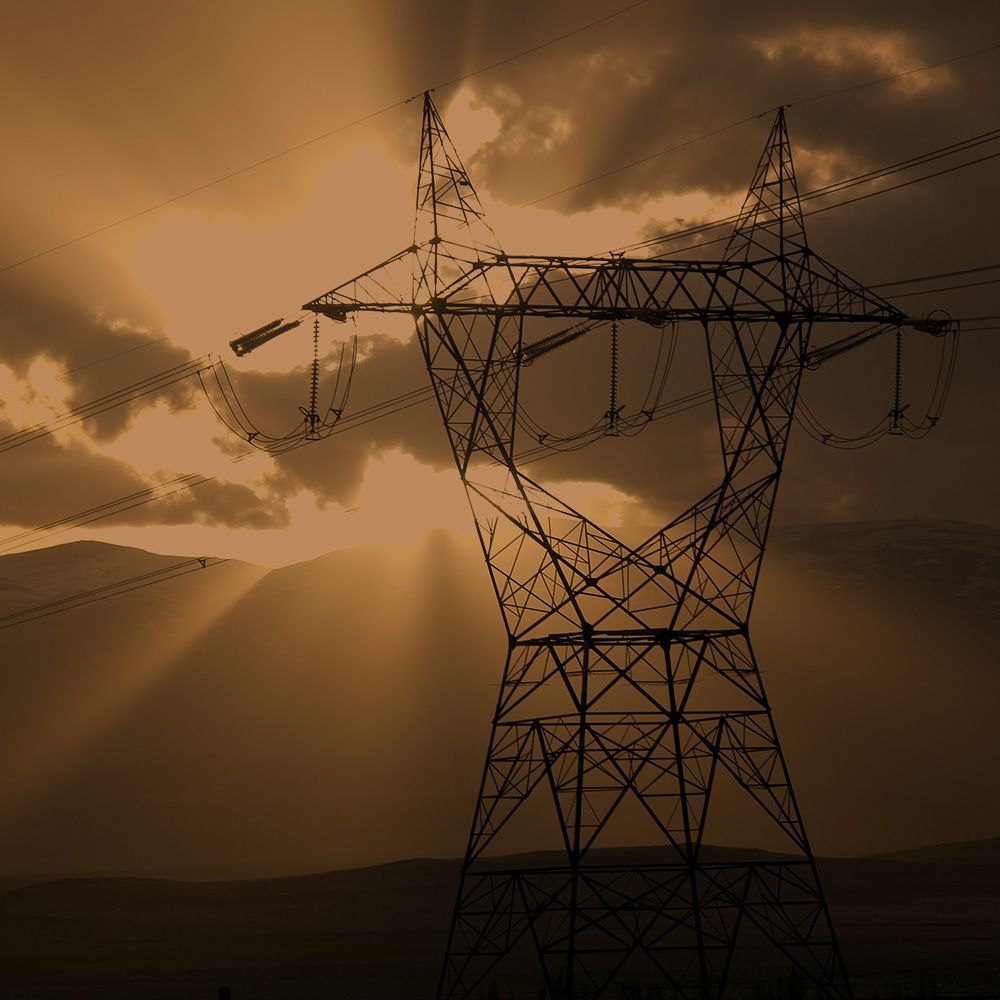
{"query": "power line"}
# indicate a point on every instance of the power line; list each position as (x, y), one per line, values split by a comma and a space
(752, 117)
(144, 387)
(920, 159)
(312, 426)
(894, 76)
(895, 421)
(815, 211)
(903, 184)
(313, 140)
(103, 593)
(942, 274)
(111, 357)
(201, 187)
(375, 411)
(389, 407)
(825, 208)
(110, 508)
(946, 288)
(361, 417)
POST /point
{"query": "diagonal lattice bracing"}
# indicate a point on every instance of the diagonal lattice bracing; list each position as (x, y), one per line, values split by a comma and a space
(630, 684)
(630, 698)
(679, 925)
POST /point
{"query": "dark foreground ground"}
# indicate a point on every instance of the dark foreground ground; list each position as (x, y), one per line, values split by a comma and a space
(924, 923)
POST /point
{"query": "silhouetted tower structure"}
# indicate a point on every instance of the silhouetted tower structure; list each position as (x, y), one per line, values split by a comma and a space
(630, 686)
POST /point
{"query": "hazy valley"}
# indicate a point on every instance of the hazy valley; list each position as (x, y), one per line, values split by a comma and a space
(240, 723)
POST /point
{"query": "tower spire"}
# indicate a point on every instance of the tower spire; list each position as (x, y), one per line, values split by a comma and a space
(469, 357)
(770, 222)
(450, 230)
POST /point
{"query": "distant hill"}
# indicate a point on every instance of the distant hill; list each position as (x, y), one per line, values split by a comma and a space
(28, 579)
(907, 929)
(335, 712)
(972, 852)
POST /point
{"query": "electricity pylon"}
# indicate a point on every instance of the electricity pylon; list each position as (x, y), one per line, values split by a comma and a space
(630, 684)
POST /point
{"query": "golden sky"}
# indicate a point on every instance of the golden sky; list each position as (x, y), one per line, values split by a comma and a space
(109, 110)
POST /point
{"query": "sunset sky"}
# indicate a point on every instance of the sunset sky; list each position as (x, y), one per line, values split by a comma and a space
(175, 175)
(110, 109)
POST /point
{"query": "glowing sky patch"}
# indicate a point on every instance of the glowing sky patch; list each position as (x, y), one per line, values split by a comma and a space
(846, 47)
(400, 501)
(36, 397)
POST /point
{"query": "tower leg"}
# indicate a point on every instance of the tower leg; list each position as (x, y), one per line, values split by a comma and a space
(582, 921)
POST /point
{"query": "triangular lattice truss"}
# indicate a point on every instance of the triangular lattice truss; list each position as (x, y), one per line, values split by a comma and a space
(630, 682)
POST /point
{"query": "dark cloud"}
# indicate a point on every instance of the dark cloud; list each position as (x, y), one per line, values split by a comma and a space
(707, 73)
(57, 481)
(98, 355)
(54, 481)
(666, 73)
(642, 82)
(218, 503)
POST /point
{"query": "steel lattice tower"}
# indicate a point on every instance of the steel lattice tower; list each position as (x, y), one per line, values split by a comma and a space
(630, 681)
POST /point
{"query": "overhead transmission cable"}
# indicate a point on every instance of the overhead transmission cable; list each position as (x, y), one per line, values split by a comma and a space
(843, 184)
(753, 117)
(111, 357)
(92, 408)
(893, 76)
(116, 589)
(835, 187)
(358, 418)
(288, 150)
(628, 425)
(896, 421)
(945, 288)
(298, 439)
(315, 425)
(110, 508)
(263, 161)
(548, 444)
(942, 274)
